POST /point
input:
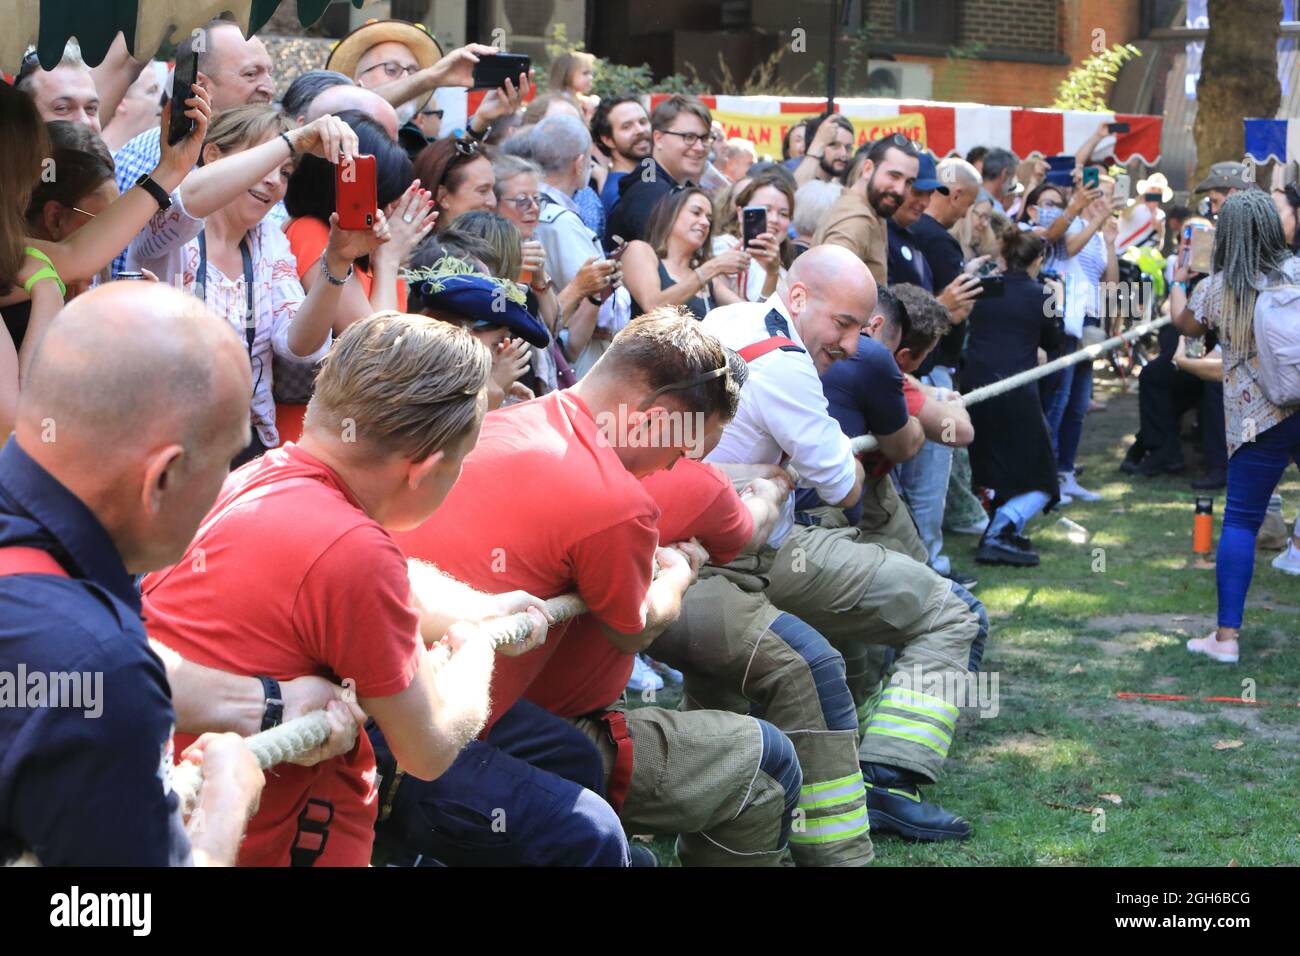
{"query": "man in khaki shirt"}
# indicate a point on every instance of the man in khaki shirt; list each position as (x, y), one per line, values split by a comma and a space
(878, 183)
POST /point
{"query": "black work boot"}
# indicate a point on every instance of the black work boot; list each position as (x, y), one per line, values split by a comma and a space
(895, 805)
(1004, 548)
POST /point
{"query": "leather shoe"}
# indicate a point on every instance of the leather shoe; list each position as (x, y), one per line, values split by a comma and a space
(1003, 548)
(895, 805)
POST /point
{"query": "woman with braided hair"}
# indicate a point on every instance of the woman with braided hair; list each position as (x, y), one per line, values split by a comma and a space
(1251, 253)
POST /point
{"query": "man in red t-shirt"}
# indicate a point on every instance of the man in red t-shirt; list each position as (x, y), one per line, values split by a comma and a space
(738, 653)
(550, 502)
(293, 572)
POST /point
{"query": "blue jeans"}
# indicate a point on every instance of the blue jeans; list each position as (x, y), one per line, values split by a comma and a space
(1066, 409)
(531, 794)
(923, 482)
(1253, 474)
(1018, 511)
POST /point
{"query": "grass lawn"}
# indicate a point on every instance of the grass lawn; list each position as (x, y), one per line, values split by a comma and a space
(1185, 782)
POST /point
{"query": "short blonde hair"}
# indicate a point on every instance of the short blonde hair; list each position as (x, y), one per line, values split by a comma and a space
(406, 384)
(242, 126)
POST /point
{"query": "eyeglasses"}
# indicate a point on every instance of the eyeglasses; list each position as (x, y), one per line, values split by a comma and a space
(1051, 204)
(690, 139)
(523, 202)
(437, 113)
(683, 386)
(392, 69)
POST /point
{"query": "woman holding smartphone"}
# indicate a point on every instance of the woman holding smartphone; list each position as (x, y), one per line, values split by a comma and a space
(673, 266)
(1250, 254)
(215, 241)
(773, 193)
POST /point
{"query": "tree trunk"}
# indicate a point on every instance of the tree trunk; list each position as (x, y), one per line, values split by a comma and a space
(1238, 77)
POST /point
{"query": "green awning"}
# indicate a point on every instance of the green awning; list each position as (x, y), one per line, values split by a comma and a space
(146, 23)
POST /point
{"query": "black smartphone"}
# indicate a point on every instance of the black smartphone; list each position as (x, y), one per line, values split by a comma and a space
(493, 70)
(754, 223)
(620, 247)
(1117, 127)
(184, 77)
(992, 287)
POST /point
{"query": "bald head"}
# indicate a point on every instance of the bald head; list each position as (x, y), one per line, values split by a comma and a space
(137, 399)
(336, 99)
(831, 297)
(128, 354)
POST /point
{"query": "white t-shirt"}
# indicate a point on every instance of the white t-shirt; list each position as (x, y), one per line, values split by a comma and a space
(783, 414)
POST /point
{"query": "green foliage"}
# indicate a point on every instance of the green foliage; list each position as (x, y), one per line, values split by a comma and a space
(1088, 85)
(611, 78)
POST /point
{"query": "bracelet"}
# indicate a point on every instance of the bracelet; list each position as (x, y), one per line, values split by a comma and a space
(333, 279)
(288, 142)
(46, 272)
(274, 712)
(469, 128)
(146, 182)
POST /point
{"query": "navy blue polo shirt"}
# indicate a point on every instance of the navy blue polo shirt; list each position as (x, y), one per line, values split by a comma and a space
(638, 193)
(865, 395)
(906, 261)
(86, 782)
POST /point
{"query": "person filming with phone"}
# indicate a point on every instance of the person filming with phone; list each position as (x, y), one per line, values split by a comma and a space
(761, 228)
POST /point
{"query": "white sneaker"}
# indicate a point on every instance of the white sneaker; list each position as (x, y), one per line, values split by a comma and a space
(1288, 562)
(643, 677)
(1064, 500)
(1070, 486)
(978, 528)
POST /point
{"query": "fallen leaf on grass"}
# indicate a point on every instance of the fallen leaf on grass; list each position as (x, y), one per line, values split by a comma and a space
(1228, 744)
(1181, 617)
(1232, 862)
(1076, 669)
(1114, 798)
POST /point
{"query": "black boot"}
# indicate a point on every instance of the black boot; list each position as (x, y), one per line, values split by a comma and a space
(1003, 548)
(1133, 457)
(895, 805)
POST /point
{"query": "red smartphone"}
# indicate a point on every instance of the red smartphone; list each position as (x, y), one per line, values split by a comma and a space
(356, 197)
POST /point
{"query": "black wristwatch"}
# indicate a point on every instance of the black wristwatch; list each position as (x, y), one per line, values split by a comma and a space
(159, 194)
(469, 128)
(274, 712)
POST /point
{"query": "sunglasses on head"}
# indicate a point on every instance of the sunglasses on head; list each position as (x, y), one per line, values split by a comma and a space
(684, 385)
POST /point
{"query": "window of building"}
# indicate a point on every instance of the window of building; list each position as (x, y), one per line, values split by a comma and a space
(927, 21)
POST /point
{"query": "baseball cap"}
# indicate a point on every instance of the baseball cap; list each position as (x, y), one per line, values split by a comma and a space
(927, 175)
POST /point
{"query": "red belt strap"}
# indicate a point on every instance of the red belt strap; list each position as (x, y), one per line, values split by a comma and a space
(620, 778)
(762, 347)
(29, 561)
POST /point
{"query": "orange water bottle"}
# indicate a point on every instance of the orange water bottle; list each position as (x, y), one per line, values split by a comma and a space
(1203, 526)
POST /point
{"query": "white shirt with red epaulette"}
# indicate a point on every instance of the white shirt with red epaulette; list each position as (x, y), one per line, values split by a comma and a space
(783, 415)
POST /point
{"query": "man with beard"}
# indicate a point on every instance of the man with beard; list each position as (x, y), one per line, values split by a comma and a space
(680, 139)
(621, 130)
(878, 182)
(827, 157)
(238, 73)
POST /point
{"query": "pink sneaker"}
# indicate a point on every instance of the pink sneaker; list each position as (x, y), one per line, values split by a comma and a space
(1207, 645)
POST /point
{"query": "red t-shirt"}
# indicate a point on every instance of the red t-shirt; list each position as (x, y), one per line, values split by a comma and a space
(544, 505)
(696, 500)
(289, 576)
(878, 465)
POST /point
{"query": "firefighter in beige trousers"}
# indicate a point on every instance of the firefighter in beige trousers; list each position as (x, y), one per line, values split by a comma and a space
(853, 591)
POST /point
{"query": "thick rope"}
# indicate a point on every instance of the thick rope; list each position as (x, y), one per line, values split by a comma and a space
(300, 736)
(865, 443)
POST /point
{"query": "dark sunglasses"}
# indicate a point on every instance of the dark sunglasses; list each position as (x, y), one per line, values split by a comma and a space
(437, 113)
(684, 385)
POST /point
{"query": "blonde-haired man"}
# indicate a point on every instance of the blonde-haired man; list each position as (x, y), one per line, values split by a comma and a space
(294, 572)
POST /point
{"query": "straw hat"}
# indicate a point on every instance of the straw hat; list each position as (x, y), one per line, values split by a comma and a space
(1156, 182)
(414, 36)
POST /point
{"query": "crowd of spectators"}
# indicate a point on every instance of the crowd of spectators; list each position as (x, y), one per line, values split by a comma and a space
(561, 259)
